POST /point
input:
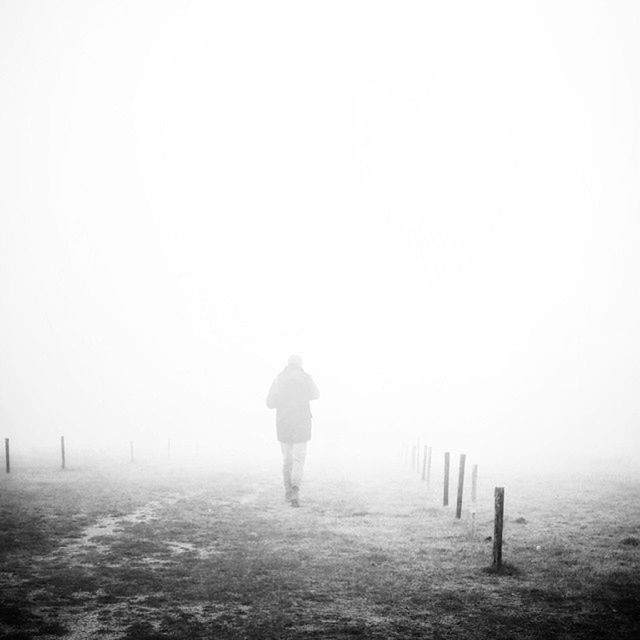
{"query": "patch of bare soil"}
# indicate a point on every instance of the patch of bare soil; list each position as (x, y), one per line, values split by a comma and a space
(145, 556)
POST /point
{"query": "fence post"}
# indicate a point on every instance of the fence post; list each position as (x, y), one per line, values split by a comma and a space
(62, 452)
(497, 527)
(6, 455)
(474, 497)
(424, 461)
(460, 485)
(445, 497)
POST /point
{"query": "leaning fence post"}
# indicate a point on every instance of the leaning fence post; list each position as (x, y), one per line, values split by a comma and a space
(497, 527)
(62, 452)
(460, 485)
(6, 455)
(445, 497)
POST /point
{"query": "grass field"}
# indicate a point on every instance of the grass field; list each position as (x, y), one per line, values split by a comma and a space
(138, 552)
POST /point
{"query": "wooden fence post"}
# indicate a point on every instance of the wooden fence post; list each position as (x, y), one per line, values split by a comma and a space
(64, 464)
(6, 455)
(474, 484)
(424, 461)
(460, 485)
(497, 527)
(445, 497)
(474, 497)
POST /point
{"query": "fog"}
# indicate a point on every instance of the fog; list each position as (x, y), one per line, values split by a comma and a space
(437, 205)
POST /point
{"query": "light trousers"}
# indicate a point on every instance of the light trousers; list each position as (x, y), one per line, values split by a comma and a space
(293, 455)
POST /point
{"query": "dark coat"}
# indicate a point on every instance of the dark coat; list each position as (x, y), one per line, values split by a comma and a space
(290, 394)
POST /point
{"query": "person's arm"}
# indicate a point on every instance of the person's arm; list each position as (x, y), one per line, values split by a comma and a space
(313, 389)
(272, 396)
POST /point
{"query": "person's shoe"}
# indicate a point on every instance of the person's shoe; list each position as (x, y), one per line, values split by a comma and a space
(294, 497)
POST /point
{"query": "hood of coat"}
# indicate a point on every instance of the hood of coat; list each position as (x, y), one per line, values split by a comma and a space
(292, 371)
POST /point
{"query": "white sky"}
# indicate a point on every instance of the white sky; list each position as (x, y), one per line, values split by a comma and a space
(436, 204)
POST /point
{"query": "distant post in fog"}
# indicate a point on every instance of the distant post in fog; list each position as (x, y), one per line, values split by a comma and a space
(424, 461)
(429, 467)
(6, 455)
(445, 496)
(474, 496)
(64, 465)
(460, 486)
(474, 484)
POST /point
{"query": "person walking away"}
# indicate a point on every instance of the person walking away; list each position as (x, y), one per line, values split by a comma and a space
(290, 395)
